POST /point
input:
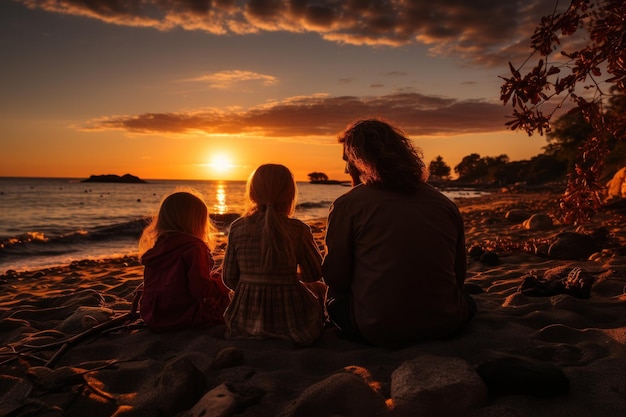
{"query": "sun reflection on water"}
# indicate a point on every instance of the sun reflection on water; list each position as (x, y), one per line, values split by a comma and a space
(220, 207)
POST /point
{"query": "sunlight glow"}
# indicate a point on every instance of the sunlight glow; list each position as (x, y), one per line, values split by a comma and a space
(220, 163)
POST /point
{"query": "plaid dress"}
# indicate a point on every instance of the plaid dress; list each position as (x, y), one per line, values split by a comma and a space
(272, 303)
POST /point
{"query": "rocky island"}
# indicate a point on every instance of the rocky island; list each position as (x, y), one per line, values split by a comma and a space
(125, 179)
(321, 178)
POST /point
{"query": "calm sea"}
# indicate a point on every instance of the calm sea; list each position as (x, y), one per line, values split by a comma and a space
(47, 222)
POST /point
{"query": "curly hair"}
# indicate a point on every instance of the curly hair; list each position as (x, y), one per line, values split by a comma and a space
(383, 155)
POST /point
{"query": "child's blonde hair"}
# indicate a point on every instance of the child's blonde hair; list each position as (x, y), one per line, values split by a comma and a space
(271, 192)
(181, 211)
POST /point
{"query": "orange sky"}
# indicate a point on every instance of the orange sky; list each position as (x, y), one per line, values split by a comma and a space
(162, 92)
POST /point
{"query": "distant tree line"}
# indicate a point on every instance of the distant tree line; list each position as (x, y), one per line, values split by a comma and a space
(562, 155)
(499, 171)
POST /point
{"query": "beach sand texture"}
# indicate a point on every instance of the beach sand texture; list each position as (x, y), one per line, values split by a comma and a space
(550, 355)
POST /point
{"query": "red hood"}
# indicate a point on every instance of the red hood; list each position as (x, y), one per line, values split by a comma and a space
(168, 249)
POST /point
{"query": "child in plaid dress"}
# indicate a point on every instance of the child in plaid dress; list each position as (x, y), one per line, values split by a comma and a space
(180, 288)
(273, 265)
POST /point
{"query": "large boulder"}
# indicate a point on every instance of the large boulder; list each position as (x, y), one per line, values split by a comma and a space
(538, 221)
(437, 387)
(342, 394)
(573, 246)
(616, 187)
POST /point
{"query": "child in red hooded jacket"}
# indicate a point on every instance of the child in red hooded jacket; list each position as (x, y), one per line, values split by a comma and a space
(180, 288)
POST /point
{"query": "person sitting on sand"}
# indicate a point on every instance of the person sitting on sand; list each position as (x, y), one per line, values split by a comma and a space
(274, 265)
(395, 259)
(180, 288)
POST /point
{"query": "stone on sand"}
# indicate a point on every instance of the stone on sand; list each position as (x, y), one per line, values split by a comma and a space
(341, 394)
(436, 386)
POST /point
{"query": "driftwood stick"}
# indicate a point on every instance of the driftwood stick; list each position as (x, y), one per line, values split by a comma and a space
(17, 355)
(68, 343)
(130, 316)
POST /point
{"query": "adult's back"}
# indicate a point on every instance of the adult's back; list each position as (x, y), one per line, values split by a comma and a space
(395, 248)
(403, 266)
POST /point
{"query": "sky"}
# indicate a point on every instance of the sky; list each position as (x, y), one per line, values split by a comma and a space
(210, 89)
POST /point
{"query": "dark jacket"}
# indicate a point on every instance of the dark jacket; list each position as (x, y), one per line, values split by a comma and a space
(400, 260)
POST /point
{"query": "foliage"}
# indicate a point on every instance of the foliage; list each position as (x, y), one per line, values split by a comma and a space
(602, 59)
(471, 167)
(474, 168)
(439, 169)
(317, 177)
(506, 246)
(569, 132)
(545, 168)
(539, 169)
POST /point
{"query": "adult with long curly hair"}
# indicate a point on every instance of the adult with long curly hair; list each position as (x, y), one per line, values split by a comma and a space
(395, 261)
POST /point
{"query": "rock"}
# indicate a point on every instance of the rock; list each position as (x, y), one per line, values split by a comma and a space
(601, 234)
(85, 317)
(538, 221)
(533, 286)
(219, 402)
(575, 282)
(436, 387)
(475, 252)
(573, 246)
(228, 357)
(56, 379)
(125, 179)
(496, 411)
(179, 386)
(616, 187)
(509, 375)
(578, 283)
(558, 273)
(342, 394)
(225, 400)
(517, 215)
(490, 258)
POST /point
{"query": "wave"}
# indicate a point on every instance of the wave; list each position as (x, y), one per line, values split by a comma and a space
(41, 244)
(38, 243)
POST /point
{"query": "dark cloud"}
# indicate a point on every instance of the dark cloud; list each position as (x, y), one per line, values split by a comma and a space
(481, 31)
(321, 117)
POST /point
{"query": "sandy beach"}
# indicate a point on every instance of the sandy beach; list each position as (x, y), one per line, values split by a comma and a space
(549, 338)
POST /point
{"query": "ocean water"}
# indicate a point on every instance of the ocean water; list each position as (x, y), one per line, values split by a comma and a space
(46, 222)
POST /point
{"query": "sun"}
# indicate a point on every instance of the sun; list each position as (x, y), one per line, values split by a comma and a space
(221, 163)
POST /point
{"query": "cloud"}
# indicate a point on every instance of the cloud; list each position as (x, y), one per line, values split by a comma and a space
(320, 116)
(486, 32)
(395, 74)
(226, 79)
